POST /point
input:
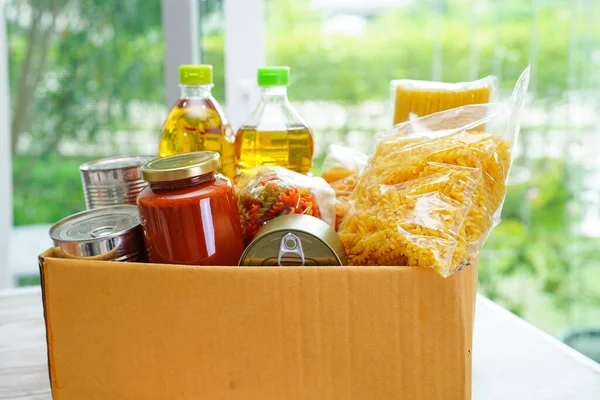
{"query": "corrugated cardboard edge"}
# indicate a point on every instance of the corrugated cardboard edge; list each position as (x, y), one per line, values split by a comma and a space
(41, 263)
(471, 293)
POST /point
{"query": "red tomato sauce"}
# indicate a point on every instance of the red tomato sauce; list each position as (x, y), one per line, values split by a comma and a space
(191, 221)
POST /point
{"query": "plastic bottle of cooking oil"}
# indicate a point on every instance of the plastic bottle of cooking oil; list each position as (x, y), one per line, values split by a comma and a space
(274, 134)
(197, 121)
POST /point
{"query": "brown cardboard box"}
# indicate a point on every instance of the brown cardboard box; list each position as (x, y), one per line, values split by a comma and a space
(150, 331)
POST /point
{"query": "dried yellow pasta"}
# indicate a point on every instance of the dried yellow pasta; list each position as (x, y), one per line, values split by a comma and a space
(423, 97)
(428, 202)
(343, 181)
(341, 170)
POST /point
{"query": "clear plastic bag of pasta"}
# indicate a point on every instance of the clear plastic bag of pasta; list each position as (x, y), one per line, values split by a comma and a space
(434, 188)
(268, 192)
(341, 169)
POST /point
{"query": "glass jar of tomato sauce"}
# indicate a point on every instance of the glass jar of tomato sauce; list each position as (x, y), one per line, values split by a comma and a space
(189, 212)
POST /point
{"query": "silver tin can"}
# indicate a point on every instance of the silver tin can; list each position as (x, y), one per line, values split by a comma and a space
(295, 240)
(114, 180)
(106, 233)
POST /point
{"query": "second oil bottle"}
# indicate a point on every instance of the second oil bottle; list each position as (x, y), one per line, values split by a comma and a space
(274, 134)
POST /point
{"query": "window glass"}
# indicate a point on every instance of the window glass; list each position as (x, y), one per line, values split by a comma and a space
(86, 81)
(212, 43)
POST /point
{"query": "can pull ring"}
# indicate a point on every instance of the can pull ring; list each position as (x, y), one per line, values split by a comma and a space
(290, 244)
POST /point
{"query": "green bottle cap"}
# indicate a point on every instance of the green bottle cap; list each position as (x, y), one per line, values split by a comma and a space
(195, 74)
(273, 76)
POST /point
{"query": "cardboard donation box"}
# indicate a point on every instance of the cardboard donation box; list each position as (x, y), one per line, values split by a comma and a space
(152, 331)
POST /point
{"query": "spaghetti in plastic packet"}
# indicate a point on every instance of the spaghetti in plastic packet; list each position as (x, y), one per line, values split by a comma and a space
(341, 169)
(413, 98)
(273, 191)
(434, 188)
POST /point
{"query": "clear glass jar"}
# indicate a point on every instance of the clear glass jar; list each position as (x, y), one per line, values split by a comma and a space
(189, 212)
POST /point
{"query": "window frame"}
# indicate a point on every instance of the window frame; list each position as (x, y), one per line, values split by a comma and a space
(244, 49)
(180, 21)
(6, 188)
(244, 53)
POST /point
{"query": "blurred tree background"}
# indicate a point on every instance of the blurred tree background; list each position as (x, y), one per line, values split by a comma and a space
(88, 72)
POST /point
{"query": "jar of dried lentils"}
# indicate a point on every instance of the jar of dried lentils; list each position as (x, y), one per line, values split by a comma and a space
(188, 211)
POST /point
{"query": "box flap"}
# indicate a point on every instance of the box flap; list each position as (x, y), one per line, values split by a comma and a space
(149, 331)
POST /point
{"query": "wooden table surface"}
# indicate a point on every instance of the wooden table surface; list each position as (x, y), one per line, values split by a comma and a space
(511, 359)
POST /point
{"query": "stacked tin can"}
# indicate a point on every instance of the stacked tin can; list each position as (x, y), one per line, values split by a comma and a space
(112, 181)
(110, 229)
(106, 233)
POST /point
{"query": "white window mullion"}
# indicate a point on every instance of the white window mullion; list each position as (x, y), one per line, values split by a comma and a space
(244, 53)
(180, 22)
(6, 222)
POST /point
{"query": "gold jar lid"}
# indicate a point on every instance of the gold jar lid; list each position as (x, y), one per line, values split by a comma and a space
(181, 166)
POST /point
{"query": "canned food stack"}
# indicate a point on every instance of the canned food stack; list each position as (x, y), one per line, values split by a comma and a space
(112, 181)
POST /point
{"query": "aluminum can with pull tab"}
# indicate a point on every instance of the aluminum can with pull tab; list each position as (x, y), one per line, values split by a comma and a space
(295, 240)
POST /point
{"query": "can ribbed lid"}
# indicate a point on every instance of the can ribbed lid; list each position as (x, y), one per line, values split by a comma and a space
(103, 222)
(181, 166)
(115, 163)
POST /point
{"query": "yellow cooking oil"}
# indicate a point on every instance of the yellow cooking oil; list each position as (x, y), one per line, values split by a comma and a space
(197, 122)
(274, 134)
(291, 148)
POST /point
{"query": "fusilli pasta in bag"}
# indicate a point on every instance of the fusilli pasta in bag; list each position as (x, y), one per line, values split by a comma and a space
(434, 188)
